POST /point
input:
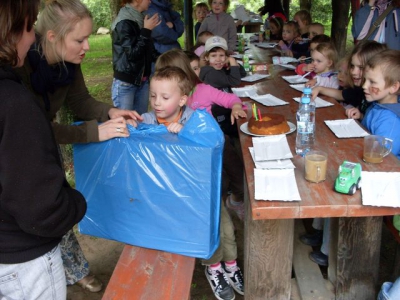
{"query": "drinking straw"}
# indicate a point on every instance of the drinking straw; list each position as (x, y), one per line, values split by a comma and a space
(259, 114)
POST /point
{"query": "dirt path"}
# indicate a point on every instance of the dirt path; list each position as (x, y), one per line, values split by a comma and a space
(103, 255)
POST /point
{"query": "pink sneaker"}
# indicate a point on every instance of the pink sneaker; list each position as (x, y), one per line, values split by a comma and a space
(238, 209)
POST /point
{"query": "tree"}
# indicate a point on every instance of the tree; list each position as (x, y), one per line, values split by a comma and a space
(115, 5)
(305, 4)
(340, 16)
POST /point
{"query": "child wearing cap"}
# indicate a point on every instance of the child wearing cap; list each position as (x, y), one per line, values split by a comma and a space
(218, 69)
(220, 23)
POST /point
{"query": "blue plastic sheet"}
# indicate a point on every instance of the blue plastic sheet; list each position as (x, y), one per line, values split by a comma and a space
(155, 189)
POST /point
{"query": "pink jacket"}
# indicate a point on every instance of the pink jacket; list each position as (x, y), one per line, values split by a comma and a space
(204, 96)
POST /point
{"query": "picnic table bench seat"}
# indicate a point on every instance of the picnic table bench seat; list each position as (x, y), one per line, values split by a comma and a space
(148, 274)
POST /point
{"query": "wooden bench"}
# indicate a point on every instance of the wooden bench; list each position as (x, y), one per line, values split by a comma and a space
(388, 220)
(148, 274)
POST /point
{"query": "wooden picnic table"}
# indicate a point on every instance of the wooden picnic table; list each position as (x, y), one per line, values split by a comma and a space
(269, 225)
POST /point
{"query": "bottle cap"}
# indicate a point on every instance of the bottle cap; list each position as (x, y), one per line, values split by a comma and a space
(305, 100)
(307, 90)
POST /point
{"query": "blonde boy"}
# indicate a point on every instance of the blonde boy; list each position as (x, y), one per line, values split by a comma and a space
(169, 90)
(315, 29)
(381, 87)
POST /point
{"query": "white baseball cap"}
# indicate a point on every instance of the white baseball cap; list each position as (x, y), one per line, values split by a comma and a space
(215, 41)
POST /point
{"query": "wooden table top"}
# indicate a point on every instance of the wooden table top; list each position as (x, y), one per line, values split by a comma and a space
(318, 199)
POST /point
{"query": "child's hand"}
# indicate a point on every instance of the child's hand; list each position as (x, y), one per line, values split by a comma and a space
(311, 82)
(237, 111)
(174, 127)
(353, 113)
(232, 61)
(150, 23)
(315, 91)
(281, 44)
(288, 53)
(298, 40)
(308, 68)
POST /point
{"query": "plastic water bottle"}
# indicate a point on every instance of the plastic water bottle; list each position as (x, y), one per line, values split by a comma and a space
(307, 93)
(305, 126)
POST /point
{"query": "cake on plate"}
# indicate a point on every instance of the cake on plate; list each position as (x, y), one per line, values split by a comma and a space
(270, 124)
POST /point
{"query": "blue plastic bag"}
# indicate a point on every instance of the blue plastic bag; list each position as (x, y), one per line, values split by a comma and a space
(155, 189)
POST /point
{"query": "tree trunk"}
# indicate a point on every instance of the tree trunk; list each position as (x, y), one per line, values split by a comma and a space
(188, 20)
(115, 5)
(340, 22)
(305, 4)
(286, 4)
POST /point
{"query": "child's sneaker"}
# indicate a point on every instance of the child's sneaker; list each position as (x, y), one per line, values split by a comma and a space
(219, 284)
(238, 209)
(235, 277)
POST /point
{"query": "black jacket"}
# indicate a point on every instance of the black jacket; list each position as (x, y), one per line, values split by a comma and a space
(133, 52)
(37, 205)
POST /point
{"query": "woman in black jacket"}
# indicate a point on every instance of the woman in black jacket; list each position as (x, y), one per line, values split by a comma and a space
(133, 54)
(37, 204)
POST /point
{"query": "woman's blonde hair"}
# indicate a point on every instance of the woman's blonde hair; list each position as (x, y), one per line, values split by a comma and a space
(15, 16)
(60, 16)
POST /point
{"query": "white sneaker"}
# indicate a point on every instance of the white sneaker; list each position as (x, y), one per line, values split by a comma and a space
(219, 284)
(235, 278)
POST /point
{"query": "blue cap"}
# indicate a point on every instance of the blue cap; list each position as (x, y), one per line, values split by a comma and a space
(305, 100)
(307, 90)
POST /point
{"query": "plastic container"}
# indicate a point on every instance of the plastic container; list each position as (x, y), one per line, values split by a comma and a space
(305, 127)
(307, 93)
(246, 63)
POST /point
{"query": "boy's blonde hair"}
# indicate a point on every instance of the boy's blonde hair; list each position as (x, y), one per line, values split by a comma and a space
(388, 61)
(319, 25)
(329, 51)
(60, 16)
(175, 74)
(199, 6)
(304, 16)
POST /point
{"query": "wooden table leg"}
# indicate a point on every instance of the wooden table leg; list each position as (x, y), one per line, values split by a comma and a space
(355, 271)
(268, 254)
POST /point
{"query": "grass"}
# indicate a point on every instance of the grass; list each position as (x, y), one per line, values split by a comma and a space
(97, 67)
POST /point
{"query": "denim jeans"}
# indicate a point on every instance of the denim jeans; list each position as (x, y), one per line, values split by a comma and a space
(40, 278)
(129, 96)
(390, 291)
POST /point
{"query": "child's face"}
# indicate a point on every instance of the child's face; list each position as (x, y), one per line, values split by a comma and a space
(356, 70)
(300, 22)
(217, 59)
(201, 13)
(375, 88)
(166, 98)
(343, 74)
(274, 29)
(314, 30)
(320, 62)
(195, 64)
(288, 33)
(218, 6)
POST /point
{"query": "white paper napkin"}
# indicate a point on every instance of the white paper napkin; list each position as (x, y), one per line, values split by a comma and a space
(245, 91)
(300, 87)
(268, 100)
(255, 77)
(272, 164)
(275, 185)
(295, 79)
(287, 66)
(380, 188)
(277, 60)
(318, 102)
(271, 147)
(266, 45)
(347, 128)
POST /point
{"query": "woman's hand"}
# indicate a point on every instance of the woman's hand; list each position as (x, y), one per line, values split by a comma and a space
(237, 111)
(113, 128)
(130, 116)
(151, 22)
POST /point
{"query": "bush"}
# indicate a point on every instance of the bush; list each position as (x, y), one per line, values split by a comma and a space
(101, 13)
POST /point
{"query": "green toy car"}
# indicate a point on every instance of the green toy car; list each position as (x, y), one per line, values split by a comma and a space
(349, 178)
